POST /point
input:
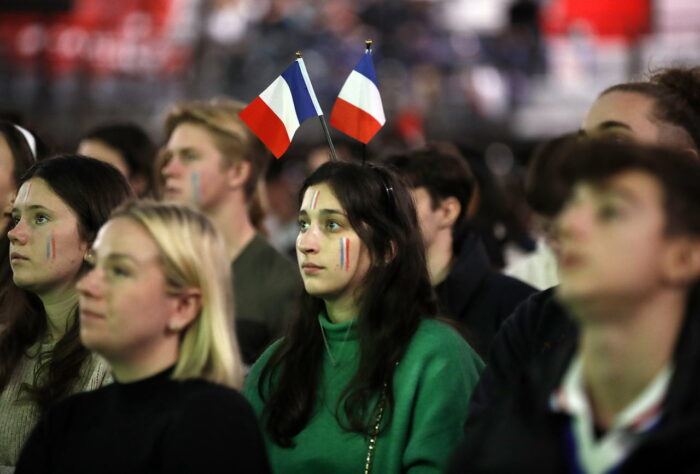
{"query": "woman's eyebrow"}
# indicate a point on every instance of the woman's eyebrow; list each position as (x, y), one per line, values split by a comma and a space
(33, 207)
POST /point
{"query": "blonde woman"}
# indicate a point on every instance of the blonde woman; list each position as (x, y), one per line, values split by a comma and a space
(156, 306)
(213, 161)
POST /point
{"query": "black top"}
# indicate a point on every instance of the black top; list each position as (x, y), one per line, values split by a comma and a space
(477, 296)
(539, 328)
(266, 287)
(155, 425)
(511, 427)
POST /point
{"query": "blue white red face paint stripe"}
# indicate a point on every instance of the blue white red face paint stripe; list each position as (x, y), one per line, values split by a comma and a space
(51, 248)
(344, 253)
(314, 199)
(196, 187)
(24, 195)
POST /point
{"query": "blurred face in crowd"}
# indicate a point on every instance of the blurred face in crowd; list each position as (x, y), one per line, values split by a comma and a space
(126, 311)
(332, 258)
(434, 219)
(103, 152)
(194, 169)
(46, 249)
(428, 217)
(7, 183)
(613, 241)
(629, 116)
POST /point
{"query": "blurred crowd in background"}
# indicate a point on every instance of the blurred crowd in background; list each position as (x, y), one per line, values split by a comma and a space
(492, 76)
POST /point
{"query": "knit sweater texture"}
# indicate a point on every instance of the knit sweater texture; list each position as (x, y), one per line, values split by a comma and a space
(19, 415)
(432, 386)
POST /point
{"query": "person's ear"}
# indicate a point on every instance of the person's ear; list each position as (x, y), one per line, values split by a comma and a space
(682, 265)
(392, 252)
(238, 173)
(450, 208)
(188, 303)
(474, 202)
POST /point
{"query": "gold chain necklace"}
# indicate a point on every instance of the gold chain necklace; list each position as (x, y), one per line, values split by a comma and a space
(334, 362)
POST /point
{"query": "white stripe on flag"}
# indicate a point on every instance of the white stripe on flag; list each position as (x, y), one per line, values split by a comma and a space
(363, 94)
(278, 97)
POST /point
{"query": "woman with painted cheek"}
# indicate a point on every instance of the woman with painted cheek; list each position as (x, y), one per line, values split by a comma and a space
(60, 205)
(156, 306)
(19, 149)
(351, 385)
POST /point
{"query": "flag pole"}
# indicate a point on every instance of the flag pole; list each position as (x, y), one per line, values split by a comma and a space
(334, 157)
(368, 45)
(326, 132)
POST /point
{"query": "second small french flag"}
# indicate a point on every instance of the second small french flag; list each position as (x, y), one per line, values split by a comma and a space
(358, 110)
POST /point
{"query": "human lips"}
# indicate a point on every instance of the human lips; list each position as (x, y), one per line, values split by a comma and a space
(86, 313)
(570, 260)
(17, 257)
(311, 268)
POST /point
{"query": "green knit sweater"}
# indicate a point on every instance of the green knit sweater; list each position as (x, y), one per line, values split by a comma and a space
(432, 387)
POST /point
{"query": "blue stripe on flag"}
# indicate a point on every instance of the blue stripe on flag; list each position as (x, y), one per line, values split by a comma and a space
(300, 94)
(366, 68)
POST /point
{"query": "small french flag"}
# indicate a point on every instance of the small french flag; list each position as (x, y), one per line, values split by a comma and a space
(358, 109)
(275, 115)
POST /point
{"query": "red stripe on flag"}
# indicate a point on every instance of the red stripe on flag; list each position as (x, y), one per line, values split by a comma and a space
(266, 125)
(354, 121)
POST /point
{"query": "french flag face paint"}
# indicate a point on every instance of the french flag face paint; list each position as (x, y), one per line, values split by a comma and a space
(24, 194)
(314, 199)
(345, 253)
(196, 183)
(51, 249)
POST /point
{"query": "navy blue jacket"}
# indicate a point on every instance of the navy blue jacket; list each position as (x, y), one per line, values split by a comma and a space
(511, 428)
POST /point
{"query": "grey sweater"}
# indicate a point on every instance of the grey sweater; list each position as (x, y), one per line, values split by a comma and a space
(18, 416)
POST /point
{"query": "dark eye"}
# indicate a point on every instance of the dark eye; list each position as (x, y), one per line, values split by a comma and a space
(608, 212)
(189, 156)
(303, 225)
(116, 270)
(41, 219)
(121, 271)
(333, 225)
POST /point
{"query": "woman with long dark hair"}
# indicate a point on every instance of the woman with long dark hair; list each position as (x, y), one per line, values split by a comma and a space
(19, 149)
(60, 205)
(364, 377)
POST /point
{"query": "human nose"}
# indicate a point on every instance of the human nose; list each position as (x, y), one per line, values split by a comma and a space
(88, 285)
(172, 167)
(573, 222)
(307, 241)
(19, 234)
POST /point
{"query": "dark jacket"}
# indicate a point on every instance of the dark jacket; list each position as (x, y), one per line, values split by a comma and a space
(477, 296)
(266, 287)
(512, 428)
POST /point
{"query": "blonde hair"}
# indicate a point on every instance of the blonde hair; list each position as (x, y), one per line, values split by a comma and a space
(192, 255)
(230, 135)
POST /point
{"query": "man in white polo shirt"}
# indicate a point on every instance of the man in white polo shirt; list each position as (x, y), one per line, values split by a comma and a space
(622, 394)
